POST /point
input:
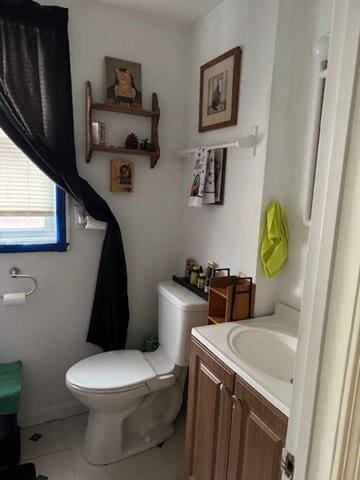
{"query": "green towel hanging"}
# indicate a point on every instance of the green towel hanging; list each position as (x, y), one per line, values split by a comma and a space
(10, 387)
(274, 244)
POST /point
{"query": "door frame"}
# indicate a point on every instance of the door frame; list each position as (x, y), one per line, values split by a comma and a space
(346, 459)
(338, 104)
(335, 429)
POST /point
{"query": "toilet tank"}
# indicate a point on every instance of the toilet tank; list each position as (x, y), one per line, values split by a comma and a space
(179, 311)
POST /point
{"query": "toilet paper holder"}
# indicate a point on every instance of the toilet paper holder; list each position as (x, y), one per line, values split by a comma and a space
(15, 273)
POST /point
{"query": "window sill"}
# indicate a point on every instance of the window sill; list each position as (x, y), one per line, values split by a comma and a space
(47, 247)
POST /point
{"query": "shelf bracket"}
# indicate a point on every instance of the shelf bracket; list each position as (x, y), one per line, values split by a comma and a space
(88, 120)
(155, 131)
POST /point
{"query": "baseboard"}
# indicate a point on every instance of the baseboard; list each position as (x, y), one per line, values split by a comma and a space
(35, 417)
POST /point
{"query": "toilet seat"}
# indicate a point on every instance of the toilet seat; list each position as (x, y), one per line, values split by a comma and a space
(110, 371)
(120, 371)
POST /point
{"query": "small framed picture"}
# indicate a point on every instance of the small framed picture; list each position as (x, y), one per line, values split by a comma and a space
(123, 82)
(122, 176)
(219, 91)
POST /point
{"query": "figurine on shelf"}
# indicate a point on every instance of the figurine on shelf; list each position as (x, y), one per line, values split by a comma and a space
(145, 145)
(132, 142)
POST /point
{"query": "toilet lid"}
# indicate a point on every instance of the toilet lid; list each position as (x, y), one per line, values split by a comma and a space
(110, 371)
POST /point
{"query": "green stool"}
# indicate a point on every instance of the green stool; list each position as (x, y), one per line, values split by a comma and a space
(10, 390)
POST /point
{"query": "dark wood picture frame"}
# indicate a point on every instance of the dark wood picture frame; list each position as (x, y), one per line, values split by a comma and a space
(236, 54)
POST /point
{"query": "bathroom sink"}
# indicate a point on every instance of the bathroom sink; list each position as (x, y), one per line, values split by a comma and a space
(271, 352)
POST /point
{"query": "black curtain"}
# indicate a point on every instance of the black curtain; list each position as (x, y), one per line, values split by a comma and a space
(36, 113)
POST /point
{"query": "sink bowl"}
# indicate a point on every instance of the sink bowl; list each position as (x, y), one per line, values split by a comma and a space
(271, 352)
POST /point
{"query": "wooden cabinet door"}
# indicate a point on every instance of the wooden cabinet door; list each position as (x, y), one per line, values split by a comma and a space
(209, 416)
(258, 433)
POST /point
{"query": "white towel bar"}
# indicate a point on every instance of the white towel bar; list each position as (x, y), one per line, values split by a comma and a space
(251, 141)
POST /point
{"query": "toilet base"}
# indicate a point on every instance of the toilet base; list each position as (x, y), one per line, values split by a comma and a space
(103, 437)
(111, 437)
(108, 445)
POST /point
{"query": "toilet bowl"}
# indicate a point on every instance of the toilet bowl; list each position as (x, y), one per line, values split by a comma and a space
(134, 397)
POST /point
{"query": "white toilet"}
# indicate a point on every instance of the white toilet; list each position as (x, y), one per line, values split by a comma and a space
(134, 397)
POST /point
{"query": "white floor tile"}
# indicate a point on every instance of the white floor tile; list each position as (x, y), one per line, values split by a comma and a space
(125, 470)
(52, 440)
(174, 451)
(175, 446)
(58, 455)
(83, 470)
(151, 459)
(56, 466)
(162, 473)
(175, 459)
(179, 469)
(75, 430)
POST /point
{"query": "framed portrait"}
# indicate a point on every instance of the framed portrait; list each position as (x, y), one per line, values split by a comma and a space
(122, 176)
(123, 82)
(219, 91)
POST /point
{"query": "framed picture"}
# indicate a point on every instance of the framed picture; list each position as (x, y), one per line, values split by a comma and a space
(122, 176)
(219, 91)
(123, 82)
(220, 169)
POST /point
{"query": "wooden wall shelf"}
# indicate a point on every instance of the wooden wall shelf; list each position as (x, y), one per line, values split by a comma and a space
(230, 298)
(154, 114)
(131, 111)
(121, 150)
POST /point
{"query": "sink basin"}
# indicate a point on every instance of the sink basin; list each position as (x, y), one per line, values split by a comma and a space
(272, 352)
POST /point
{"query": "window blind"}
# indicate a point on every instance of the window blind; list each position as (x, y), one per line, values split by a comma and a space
(24, 189)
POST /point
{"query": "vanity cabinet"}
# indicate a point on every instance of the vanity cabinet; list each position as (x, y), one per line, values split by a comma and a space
(233, 433)
(257, 437)
(209, 416)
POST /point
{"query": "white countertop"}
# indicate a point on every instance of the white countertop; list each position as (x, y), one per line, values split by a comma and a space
(215, 339)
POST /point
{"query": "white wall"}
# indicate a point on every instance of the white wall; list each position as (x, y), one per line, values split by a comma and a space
(276, 92)
(48, 334)
(286, 176)
(229, 234)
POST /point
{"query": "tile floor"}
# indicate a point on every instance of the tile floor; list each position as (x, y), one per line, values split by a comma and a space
(57, 455)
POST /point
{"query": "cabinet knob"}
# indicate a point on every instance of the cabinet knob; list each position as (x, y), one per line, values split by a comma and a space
(223, 388)
(235, 399)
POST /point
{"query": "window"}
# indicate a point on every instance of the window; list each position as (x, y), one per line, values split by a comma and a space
(32, 207)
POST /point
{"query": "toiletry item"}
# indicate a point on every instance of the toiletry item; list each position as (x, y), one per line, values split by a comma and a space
(201, 280)
(209, 273)
(10, 299)
(194, 275)
(151, 343)
(190, 262)
(92, 224)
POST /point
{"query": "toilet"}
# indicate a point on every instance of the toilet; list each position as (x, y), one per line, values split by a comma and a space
(134, 397)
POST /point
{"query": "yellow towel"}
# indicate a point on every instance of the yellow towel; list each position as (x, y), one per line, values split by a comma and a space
(274, 244)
